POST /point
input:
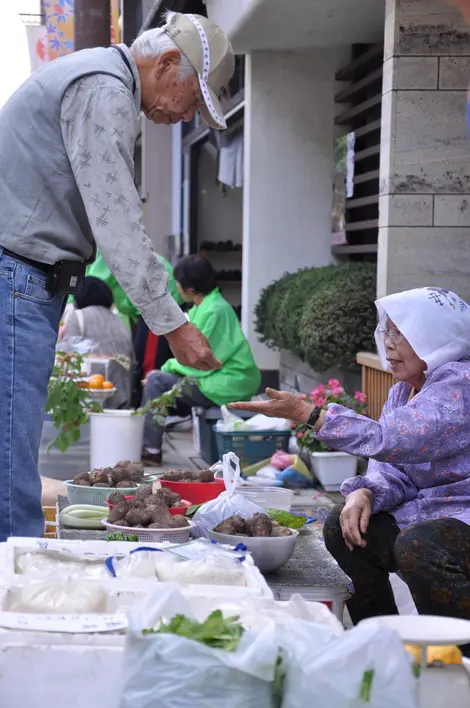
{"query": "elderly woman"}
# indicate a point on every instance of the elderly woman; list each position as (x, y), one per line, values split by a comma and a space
(411, 512)
(92, 328)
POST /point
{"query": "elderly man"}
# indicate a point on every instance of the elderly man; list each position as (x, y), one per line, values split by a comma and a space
(67, 139)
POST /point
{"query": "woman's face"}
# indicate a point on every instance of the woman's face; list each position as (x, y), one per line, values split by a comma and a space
(404, 362)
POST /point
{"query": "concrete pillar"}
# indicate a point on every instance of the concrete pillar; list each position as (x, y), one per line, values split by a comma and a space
(424, 234)
(289, 124)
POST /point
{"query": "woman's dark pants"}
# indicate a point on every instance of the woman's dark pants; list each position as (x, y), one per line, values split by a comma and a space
(433, 558)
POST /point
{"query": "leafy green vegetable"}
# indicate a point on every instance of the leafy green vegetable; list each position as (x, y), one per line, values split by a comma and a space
(120, 536)
(190, 511)
(291, 521)
(416, 669)
(216, 631)
(367, 685)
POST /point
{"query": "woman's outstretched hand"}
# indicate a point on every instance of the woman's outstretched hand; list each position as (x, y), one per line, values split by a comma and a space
(281, 404)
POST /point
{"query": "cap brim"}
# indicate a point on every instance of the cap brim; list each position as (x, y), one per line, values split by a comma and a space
(211, 112)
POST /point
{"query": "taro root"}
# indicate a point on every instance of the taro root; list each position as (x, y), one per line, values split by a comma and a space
(187, 476)
(167, 496)
(121, 522)
(101, 484)
(98, 477)
(142, 492)
(117, 497)
(225, 527)
(135, 470)
(261, 525)
(179, 522)
(206, 476)
(157, 525)
(136, 504)
(83, 483)
(119, 511)
(126, 484)
(173, 475)
(161, 516)
(118, 475)
(152, 501)
(139, 517)
(239, 525)
(81, 475)
(280, 531)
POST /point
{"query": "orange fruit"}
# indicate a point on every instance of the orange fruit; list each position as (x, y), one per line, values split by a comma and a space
(96, 382)
(82, 384)
(108, 385)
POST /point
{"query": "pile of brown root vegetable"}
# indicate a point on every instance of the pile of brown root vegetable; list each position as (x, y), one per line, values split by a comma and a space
(146, 510)
(205, 476)
(123, 475)
(258, 526)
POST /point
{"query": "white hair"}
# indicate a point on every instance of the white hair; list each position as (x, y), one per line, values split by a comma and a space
(154, 42)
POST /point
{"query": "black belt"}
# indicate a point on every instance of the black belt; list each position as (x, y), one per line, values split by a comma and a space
(28, 261)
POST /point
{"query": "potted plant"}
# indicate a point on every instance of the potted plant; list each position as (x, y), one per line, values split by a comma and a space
(330, 467)
(68, 403)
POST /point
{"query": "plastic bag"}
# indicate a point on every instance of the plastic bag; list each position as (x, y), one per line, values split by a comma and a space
(231, 422)
(332, 672)
(58, 598)
(170, 671)
(227, 503)
(403, 599)
(216, 569)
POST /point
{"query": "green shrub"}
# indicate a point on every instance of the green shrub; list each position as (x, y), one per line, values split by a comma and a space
(323, 315)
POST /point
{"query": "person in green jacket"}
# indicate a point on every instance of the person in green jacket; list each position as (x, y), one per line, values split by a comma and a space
(124, 306)
(216, 319)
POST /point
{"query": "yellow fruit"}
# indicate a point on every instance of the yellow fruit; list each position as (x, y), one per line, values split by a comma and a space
(448, 655)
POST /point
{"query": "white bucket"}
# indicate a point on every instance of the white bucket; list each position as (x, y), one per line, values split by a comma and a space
(115, 435)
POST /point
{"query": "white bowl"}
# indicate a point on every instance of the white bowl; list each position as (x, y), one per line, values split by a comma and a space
(269, 553)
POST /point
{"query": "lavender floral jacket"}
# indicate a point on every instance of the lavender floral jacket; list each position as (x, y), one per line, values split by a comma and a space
(419, 450)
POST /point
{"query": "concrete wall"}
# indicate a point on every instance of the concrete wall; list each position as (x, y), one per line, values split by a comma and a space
(289, 118)
(157, 183)
(424, 236)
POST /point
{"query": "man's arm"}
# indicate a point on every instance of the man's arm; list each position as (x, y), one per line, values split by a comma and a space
(99, 126)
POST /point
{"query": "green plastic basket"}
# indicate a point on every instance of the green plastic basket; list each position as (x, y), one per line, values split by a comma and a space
(250, 446)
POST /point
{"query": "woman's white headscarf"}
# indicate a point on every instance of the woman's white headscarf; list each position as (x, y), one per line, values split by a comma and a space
(435, 322)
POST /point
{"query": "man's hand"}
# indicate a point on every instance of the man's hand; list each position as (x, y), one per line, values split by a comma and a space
(280, 405)
(191, 348)
(354, 518)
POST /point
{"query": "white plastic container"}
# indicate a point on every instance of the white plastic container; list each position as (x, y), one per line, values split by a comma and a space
(115, 435)
(333, 468)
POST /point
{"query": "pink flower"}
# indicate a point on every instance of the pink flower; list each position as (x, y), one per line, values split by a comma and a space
(300, 435)
(292, 425)
(320, 401)
(334, 383)
(360, 397)
(303, 396)
(337, 391)
(321, 389)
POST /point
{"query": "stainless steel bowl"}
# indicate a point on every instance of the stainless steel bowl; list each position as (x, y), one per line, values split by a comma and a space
(269, 553)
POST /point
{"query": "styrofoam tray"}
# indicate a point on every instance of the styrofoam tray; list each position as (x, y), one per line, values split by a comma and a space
(95, 550)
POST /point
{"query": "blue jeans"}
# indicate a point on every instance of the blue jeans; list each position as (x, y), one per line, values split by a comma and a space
(29, 323)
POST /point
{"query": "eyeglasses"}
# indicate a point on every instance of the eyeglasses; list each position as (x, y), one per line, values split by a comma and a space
(392, 334)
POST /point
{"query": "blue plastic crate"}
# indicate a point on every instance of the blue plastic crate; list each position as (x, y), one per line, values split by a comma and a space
(250, 446)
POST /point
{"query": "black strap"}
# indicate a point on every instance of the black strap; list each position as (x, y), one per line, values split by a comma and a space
(128, 64)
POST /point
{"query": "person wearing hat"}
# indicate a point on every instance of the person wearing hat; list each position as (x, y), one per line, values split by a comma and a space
(67, 139)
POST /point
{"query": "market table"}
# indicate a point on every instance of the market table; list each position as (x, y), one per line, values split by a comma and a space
(311, 572)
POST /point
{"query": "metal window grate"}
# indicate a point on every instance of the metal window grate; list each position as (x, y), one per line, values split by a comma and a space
(362, 100)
